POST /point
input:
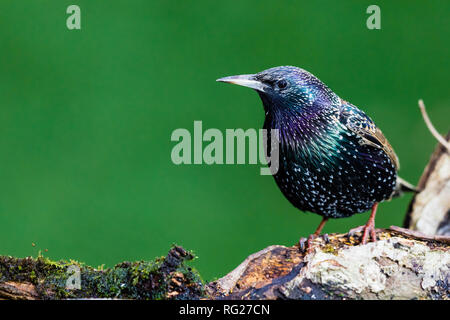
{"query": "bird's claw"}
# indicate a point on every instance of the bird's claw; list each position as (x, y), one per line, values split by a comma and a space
(368, 229)
(301, 243)
(352, 232)
(308, 241)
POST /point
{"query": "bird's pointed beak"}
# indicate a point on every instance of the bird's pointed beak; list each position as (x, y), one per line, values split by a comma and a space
(245, 80)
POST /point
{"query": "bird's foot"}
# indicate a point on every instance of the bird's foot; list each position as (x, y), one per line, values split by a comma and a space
(367, 229)
(311, 237)
(307, 243)
(354, 231)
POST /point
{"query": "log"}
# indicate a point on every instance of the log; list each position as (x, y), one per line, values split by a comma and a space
(397, 266)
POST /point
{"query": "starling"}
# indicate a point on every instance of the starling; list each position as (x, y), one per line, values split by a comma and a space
(333, 159)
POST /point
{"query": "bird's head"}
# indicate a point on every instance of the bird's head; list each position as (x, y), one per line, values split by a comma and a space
(286, 88)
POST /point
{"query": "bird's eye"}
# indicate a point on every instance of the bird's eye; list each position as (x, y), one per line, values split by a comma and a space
(282, 84)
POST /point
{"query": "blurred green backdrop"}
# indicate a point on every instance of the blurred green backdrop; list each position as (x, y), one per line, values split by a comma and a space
(86, 118)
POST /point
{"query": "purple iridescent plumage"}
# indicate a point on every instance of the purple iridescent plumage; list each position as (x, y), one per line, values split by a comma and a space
(334, 161)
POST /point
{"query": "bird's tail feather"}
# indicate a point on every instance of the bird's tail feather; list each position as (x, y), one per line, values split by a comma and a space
(402, 187)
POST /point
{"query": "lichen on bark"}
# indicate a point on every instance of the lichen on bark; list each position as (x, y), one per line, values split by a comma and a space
(395, 267)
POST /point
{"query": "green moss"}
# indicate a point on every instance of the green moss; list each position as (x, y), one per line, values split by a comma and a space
(163, 278)
(329, 249)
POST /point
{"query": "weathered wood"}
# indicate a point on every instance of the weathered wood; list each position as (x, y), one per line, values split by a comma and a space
(402, 264)
(18, 291)
(429, 211)
(397, 266)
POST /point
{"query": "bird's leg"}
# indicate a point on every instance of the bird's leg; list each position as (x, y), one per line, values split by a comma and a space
(369, 227)
(313, 236)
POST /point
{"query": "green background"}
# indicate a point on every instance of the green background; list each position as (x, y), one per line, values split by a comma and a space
(86, 118)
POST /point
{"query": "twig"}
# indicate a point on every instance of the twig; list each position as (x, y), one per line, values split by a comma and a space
(431, 127)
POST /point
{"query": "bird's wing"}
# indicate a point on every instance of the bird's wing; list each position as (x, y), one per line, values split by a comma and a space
(358, 122)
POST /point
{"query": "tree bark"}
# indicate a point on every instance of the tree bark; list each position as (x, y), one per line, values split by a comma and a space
(400, 265)
(397, 266)
(429, 211)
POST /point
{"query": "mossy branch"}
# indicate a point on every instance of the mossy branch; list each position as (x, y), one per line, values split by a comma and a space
(40, 278)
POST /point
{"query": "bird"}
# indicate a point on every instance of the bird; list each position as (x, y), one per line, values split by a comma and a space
(333, 160)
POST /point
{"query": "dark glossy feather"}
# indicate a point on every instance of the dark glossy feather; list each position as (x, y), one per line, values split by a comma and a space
(334, 161)
(358, 122)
